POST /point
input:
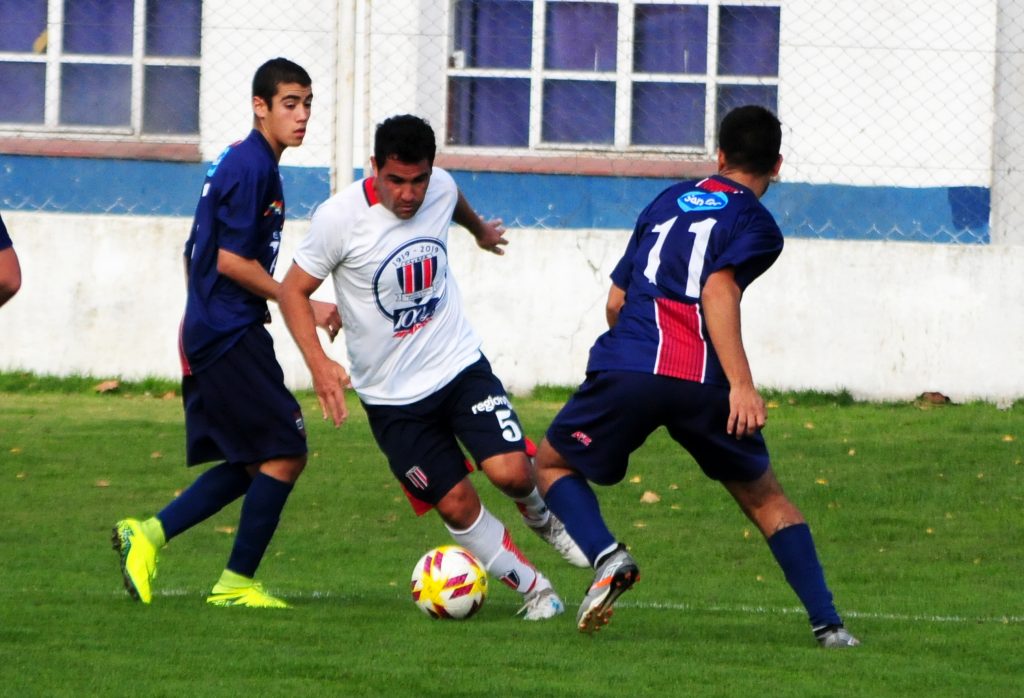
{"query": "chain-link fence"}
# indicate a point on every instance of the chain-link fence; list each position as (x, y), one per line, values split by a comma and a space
(899, 118)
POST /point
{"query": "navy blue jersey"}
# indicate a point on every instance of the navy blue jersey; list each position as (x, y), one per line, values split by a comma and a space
(691, 230)
(5, 239)
(241, 210)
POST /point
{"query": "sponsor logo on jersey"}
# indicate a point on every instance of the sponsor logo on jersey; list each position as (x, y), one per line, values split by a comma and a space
(417, 478)
(276, 208)
(491, 403)
(697, 200)
(408, 286)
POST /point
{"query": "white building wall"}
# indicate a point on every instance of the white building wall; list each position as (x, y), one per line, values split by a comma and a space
(103, 295)
(862, 101)
(888, 93)
(1008, 139)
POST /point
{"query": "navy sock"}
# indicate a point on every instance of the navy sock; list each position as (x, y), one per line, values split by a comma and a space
(575, 504)
(211, 492)
(261, 511)
(793, 548)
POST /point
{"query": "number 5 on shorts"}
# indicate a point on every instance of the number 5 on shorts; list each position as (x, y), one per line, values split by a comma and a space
(509, 427)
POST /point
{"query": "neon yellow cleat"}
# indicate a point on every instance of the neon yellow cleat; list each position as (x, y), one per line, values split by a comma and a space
(138, 558)
(252, 596)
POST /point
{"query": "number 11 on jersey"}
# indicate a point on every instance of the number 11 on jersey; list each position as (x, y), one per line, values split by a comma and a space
(702, 233)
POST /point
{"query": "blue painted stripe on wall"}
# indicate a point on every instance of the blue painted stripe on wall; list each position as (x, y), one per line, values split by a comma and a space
(831, 211)
(134, 187)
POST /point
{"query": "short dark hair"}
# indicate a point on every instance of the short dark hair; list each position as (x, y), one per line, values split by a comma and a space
(275, 72)
(406, 137)
(750, 138)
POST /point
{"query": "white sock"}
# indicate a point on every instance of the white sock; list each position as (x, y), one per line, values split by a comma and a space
(535, 512)
(490, 542)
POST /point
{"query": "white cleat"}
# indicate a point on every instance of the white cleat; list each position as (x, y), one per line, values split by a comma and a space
(554, 533)
(541, 605)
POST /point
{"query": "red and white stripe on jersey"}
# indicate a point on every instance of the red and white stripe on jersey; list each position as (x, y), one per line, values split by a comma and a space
(710, 184)
(425, 269)
(682, 351)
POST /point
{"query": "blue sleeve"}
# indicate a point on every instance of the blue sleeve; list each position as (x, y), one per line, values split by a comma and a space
(624, 269)
(238, 209)
(752, 247)
(5, 239)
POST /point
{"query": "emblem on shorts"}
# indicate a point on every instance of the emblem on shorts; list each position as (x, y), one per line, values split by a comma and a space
(300, 424)
(409, 285)
(417, 478)
(581, 437)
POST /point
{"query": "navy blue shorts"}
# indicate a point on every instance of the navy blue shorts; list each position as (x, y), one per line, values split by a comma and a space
(239, 410)
(421, 440)
(613, 412)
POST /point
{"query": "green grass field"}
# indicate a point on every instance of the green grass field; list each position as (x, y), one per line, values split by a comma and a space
(917, 512)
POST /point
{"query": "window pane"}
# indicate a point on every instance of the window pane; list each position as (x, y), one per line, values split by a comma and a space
(22, 22)
(732, 96)
(171, 102)
(173, 27)
(103, 28)
(671, 39)
(95, 95)
(494, 33)
(578, 111)
(748, 40)
(489, 111)
(580, 36)
(668, 114)
(26, 104)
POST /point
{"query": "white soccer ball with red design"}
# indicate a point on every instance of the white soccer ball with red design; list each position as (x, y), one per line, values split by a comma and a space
(448, 582)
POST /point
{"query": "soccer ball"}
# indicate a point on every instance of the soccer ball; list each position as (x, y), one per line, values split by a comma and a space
(448, 582)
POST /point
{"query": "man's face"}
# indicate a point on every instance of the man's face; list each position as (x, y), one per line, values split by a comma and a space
(284, 121)
(401, 186)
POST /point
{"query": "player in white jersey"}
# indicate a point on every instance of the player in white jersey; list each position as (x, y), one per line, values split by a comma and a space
(415, 361)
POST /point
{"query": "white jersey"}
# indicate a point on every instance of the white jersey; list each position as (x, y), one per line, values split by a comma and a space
(405, 330)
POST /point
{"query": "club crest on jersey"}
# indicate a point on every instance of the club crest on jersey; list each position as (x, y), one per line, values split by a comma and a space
(702, 201)
(409, 285)
(276, 208)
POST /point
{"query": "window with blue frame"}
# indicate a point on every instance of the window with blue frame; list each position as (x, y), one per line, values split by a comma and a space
(86, 66)
(607, 75)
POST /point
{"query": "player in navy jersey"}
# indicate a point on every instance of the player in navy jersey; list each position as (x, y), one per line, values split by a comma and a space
(237, 408)
(674, 357)
(10, 270)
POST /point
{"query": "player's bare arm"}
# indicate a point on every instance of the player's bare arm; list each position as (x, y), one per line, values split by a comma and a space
(612, 307)
(10, 274)
(330, 379)
(247, 273)
(489, 234)
(250, 275)
(721, 302)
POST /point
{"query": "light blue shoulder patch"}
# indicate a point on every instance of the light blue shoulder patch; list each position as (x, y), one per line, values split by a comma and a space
(213, 165)
(702, 200)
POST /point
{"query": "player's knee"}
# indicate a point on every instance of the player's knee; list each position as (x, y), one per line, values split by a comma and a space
(285, 469)
(460, 507)
(509, 472)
